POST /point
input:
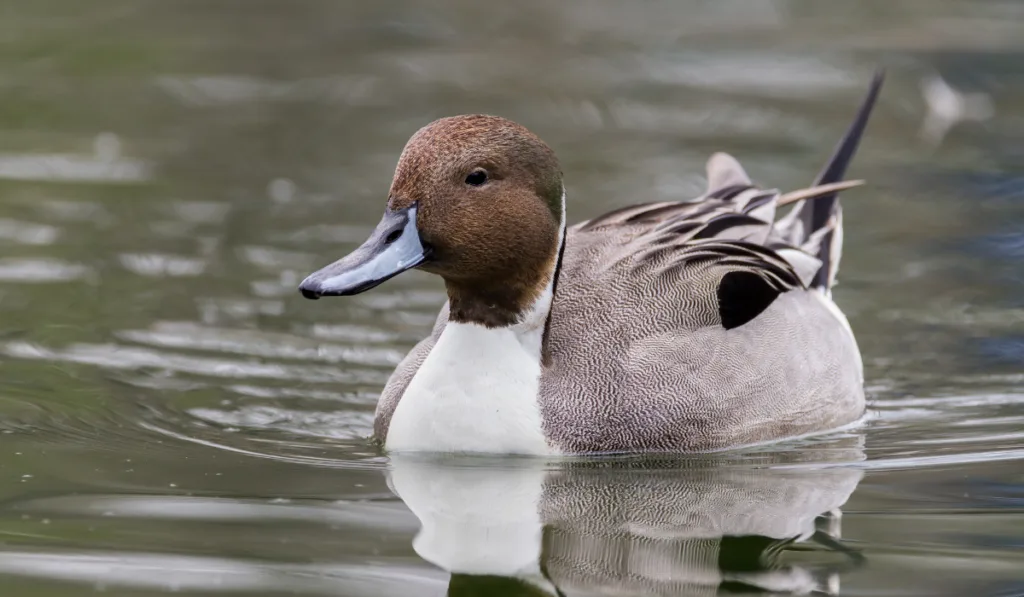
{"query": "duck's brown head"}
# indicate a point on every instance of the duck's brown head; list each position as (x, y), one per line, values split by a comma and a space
(476, 200)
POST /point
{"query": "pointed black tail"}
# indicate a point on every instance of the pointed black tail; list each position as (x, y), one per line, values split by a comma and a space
(817, 213)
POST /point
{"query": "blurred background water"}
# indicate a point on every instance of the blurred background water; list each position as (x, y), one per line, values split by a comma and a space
(175, 417)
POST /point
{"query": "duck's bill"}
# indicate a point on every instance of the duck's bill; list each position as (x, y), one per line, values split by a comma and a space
(393, 247)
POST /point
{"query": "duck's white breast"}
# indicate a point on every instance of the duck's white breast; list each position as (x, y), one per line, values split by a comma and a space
(475, 392)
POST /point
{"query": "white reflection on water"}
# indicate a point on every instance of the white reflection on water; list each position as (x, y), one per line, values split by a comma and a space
(216, 309)
(948, 106)
(259, 343)
(74, 211)
(157, 265)
(191, 573)
(233, 89)
(367, 398)
(388, 516)
(276, 259)
(40, 270)
(113, 356)
(335, 424)
(805, 76)
(58, 167)
(281, 190)
(28, 233)
(352, 332)
(105, 165)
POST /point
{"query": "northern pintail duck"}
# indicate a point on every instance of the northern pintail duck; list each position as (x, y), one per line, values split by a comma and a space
(670, 326)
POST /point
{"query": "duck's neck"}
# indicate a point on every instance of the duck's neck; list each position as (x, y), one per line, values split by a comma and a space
(521, 304)
(477, 390)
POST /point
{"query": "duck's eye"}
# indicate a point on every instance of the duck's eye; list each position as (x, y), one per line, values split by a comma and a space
(476, 177)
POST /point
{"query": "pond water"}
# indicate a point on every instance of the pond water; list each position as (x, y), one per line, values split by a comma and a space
(175, 417)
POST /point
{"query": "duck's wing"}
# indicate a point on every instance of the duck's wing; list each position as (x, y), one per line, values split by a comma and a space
(730, 233)
(721, 250)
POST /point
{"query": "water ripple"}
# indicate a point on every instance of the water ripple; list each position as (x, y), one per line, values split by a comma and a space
(41, 270)
(28, 233)
(258, 343)
(336, 424)
(168, 572)
(157, 265)
(113, 356)
(386, 516)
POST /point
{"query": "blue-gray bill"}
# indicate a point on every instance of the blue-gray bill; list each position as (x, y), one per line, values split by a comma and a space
(393, 247)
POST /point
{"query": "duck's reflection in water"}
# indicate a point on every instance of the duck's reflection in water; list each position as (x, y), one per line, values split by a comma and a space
(634, 526)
